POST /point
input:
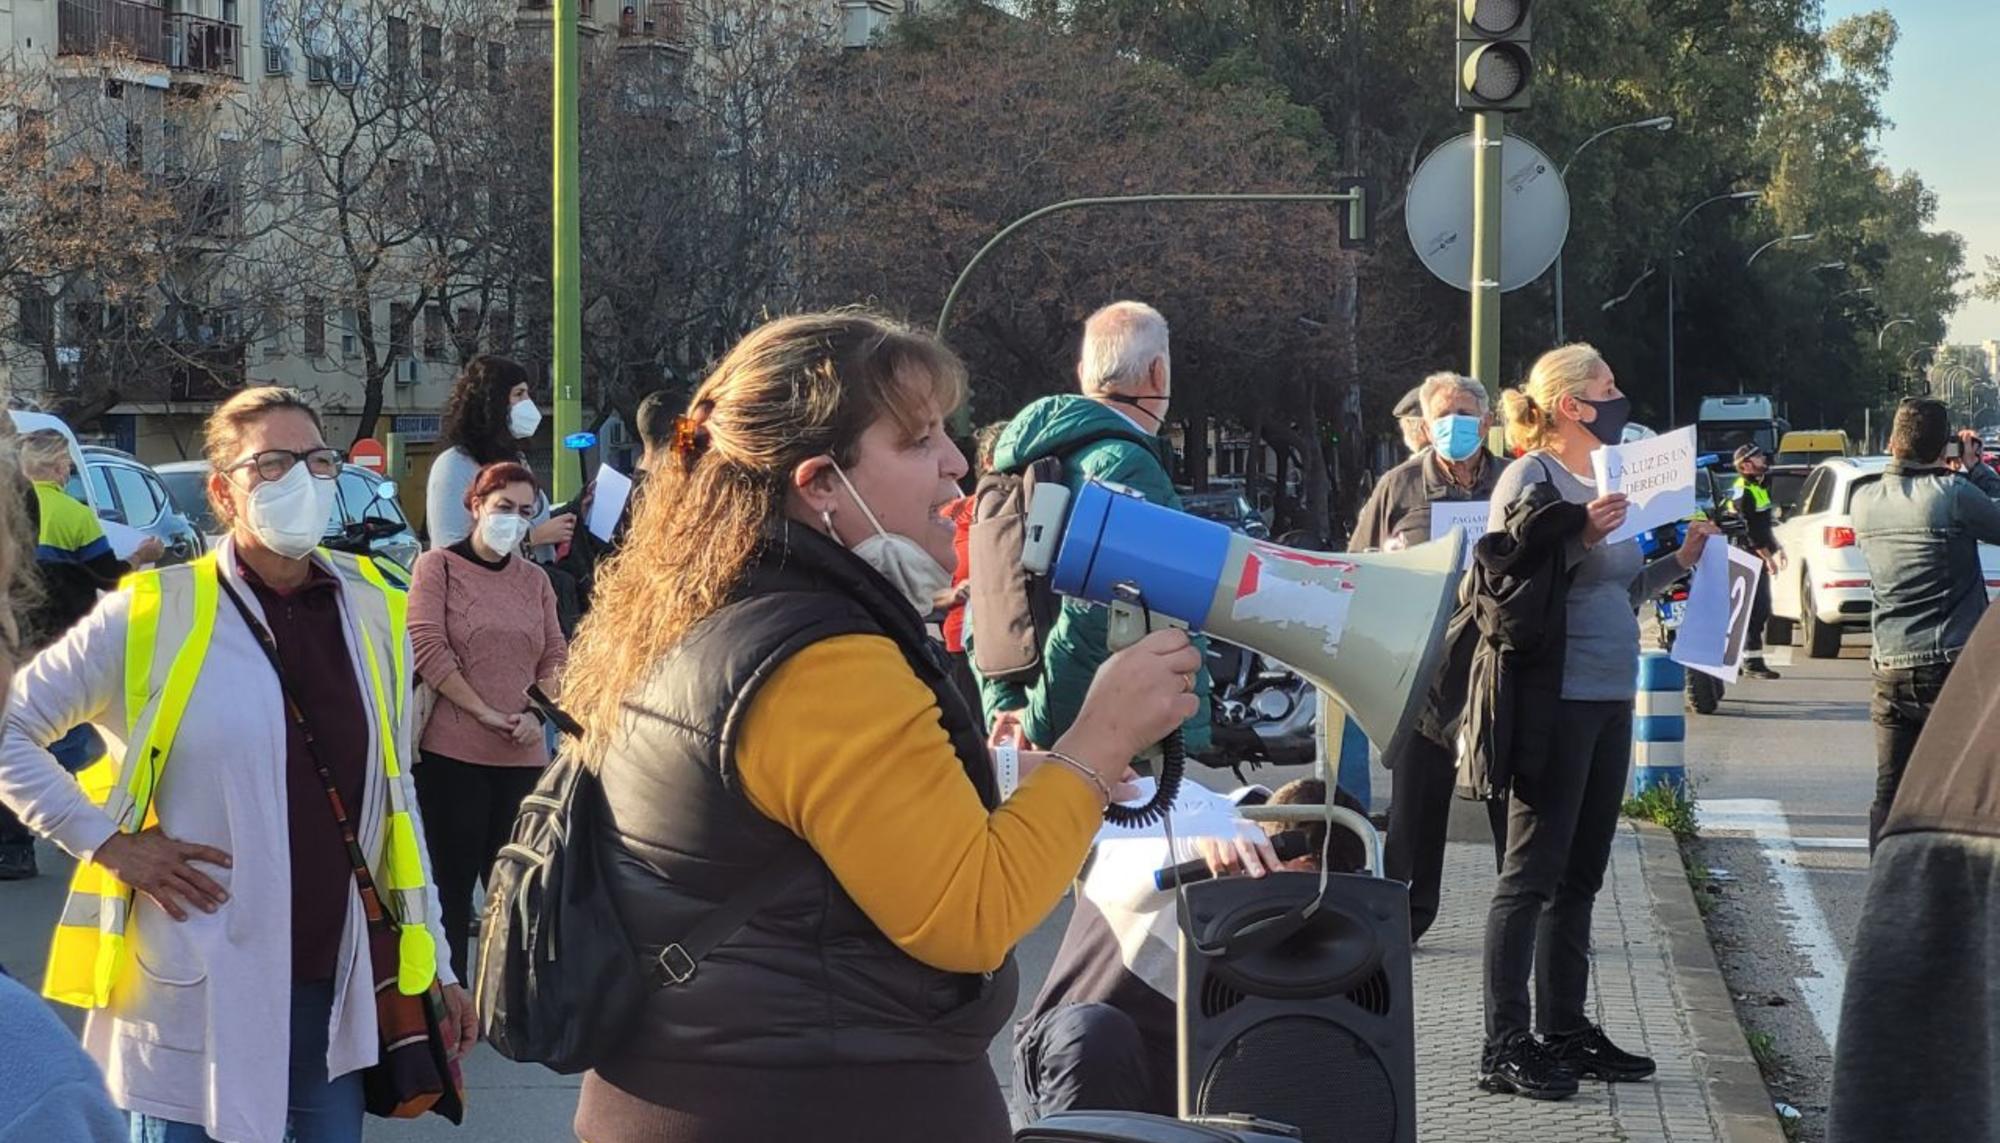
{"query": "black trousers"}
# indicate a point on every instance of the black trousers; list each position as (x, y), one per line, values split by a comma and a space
(1900, 707)
(1091, 1057)
(1760, 618)
(1422, 779)
(468, 815)
(1562, 817)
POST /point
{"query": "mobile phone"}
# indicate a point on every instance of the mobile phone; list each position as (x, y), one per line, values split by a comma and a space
(1951, 450)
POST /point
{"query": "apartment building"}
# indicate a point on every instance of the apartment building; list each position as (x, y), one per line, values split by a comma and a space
(273, 126)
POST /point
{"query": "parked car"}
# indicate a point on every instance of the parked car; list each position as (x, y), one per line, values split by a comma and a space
(1228, 508)
(368, 511)
(125, 491)
(1825, 589)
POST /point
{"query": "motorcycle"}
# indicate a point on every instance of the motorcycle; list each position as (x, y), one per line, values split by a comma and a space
(1260, 713)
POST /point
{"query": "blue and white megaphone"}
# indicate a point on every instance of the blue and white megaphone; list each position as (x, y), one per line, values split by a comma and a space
(1365, 628)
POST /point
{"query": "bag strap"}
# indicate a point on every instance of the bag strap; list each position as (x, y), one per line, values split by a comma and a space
(371, 901)
(676, 963)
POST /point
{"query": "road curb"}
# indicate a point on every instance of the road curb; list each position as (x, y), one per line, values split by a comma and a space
(1741, 1103)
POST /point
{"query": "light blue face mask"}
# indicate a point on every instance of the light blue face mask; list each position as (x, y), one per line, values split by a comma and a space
(1455, 436)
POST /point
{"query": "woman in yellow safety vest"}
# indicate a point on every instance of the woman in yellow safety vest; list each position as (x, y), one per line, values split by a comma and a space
(214, 929)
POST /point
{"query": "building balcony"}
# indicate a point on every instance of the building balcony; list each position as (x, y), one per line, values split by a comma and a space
(120, 27)
(662, 22)
(190, 44)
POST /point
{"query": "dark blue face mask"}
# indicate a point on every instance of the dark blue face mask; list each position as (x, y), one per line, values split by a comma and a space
(1612, 414)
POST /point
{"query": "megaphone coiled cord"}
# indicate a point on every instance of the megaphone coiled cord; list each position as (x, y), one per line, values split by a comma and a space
(1173, 763)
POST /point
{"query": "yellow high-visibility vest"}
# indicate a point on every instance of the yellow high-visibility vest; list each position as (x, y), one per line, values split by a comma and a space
(167, 638)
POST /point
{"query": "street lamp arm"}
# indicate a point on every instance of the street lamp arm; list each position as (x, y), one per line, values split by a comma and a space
(1737, 195)
(1883, 332)
(1662, 122)
(958, 286)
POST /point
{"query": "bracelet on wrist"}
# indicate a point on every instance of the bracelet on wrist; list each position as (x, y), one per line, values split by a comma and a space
(1084, 770)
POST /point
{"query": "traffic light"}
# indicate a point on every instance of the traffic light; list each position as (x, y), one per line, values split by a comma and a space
(1495, 63)
(1355, 231)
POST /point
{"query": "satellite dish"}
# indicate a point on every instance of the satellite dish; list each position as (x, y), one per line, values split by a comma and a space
(1534, 212)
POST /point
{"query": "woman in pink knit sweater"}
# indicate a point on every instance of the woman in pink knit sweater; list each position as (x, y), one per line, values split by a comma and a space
(483, 628)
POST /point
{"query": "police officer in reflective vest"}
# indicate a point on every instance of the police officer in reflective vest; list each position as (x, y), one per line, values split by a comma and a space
(1752, 501)
(253, 810)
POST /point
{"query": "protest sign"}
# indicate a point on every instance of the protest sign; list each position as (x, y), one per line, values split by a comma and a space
(607, 504)
(1719, 607)
(1656, 476)
(1468, 516)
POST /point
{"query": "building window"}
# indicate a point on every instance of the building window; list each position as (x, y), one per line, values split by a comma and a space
(399, 330)
(434, 332)
(313, 323)
(38, 318)
(465, 57)
(273, 156)
(496, 66)
(273, 321)
(433, 53)
(466, 332)
(398, 63)
(135, 146)
(500, 332)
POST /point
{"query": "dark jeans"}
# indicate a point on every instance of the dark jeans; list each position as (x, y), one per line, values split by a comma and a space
(1902, 704)
(1091, 1057)
(468, 815)
(1421, 781)
(1562, 818)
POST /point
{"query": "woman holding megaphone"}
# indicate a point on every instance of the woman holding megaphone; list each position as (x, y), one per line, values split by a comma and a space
(1570, 749)
(780, 743)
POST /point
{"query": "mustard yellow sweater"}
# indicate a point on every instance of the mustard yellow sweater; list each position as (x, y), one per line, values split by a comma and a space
(843, 747)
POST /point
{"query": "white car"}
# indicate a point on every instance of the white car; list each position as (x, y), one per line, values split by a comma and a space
(1824, 588)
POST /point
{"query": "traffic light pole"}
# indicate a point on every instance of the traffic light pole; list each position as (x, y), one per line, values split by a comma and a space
(565, 472)
(1489, 130)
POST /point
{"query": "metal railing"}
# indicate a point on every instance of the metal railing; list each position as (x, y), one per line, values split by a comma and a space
(149, 33)
(658, 20)
(197, 43)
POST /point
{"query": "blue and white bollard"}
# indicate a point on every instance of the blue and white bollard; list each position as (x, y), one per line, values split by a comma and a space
(1659, 728)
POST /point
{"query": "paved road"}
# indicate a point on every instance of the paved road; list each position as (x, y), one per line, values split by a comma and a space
(1784, 774)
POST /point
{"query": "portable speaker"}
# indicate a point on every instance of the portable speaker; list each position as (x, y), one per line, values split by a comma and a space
(1302, 1020)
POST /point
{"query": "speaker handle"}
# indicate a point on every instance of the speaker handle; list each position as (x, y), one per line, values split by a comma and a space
(1333, 814)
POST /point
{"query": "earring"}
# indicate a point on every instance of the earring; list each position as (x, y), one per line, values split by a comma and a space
(826, 517)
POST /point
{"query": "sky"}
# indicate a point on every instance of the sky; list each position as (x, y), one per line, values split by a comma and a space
(1944, 125)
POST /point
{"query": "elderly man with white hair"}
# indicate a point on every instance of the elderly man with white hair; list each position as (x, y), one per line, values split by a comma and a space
(1109, 431)
(1454, 466)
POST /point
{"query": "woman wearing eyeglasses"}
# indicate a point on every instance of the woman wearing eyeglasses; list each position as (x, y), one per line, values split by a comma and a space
(257, 701)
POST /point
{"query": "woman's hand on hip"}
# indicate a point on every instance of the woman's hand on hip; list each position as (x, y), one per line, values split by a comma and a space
(163, 869)
(1140, 695)
(460, 1025)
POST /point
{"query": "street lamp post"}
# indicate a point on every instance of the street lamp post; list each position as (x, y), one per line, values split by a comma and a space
(1806, 237)
(1673, 262)
(1657, 123)
(1892, 324)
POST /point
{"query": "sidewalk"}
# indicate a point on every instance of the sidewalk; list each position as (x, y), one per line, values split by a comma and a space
(1640, 992)
(1654, 988)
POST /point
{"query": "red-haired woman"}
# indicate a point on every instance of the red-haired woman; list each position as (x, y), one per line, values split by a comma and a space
(483, 628)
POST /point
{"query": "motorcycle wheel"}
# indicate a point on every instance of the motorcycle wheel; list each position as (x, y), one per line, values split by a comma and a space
(1704, 694)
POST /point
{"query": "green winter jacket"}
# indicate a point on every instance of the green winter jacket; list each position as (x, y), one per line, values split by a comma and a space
(1076, 644)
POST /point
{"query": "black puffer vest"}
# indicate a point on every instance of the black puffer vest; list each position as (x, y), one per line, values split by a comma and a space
(810, 981)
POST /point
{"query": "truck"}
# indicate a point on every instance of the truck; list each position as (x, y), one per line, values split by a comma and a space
(1728, 423)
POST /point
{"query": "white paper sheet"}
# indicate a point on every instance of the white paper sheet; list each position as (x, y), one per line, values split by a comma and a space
(607, 504)
(1656, 474)
(1744, 570)
(125, 539)
(1469, 516)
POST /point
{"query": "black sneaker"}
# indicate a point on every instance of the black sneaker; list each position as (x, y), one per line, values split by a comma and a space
(17, 863)
(1591, 1053)
(1755, 669)
(1521, 1066)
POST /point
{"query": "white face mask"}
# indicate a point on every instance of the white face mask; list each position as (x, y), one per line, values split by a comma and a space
(289, 516)
(503, 531)
(523, 418)
(917, 575)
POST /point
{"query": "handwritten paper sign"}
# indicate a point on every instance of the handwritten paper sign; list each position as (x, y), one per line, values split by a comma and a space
(1717, 624)
(1656, 475)
(1468, 516)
